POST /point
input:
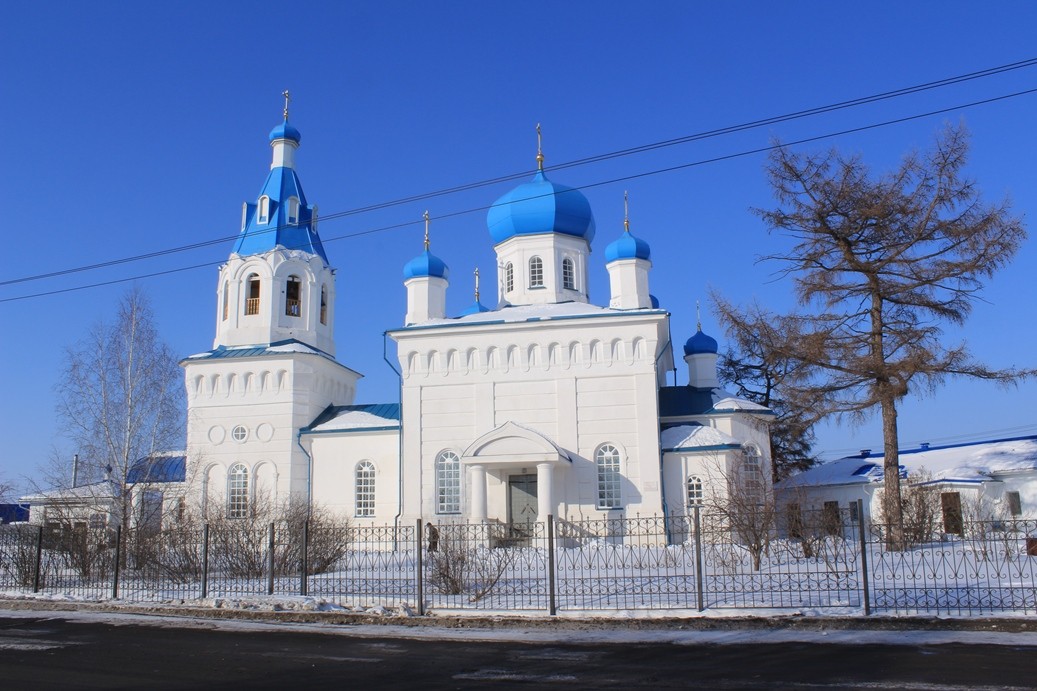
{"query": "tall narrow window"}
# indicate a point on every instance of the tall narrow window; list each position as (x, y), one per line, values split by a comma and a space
(695, 491)
(607, 460)
(448, 483)
(536, 272)
(568, 274)
(293, 297)
(1015, 504)
(237, 491)
(293, 209)
(364, 489)
(226, 299)
(263, 213)
(752, 472)
(509, 277)
(323, 304)
(252, 301)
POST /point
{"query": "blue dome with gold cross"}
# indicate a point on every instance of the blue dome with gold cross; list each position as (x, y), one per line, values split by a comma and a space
(541, 206)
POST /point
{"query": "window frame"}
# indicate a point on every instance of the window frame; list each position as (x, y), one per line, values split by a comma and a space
(536, 272)
(364, 479)
(509, 277)
(608, 465)
(254, 287)
(293, 210)
(293, 284)
(237, 491)
(448, 483)
(694, 491)
(263, 210)
(568, 274)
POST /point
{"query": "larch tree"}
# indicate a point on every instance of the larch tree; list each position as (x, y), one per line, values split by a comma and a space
(121, 400)
(880, 264)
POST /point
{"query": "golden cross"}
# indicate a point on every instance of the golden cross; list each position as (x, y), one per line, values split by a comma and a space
(477, 284)
(540, 149)
(287, 97)
(626, 212)
(698, 315)
(425, 216)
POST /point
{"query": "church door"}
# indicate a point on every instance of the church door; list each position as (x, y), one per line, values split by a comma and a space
(522, 503)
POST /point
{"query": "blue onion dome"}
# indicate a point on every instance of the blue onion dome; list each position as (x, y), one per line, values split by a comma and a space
(627, 247)
(285, 131)
(701, 343)
(425, 264)
(541, 206)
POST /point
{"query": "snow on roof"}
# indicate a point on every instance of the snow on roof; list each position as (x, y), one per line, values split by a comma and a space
(961, 462)
(735, 403)
(355, 419)
(97, 490)
(695, 436)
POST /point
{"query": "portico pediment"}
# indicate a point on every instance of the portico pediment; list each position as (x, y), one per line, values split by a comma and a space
(512, 444)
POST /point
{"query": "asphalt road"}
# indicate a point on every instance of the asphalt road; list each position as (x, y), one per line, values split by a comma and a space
(59, 651)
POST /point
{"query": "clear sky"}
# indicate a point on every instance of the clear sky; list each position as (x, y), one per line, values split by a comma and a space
(136, 127)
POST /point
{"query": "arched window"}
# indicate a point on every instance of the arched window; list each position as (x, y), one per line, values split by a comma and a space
(752, 468)
(263, 213)
(568, 274)
(695, 491)
(607, 460)
(364, 489)
(448, 483)
(509, 277)
(293, 297)
(237, 491)
(252, 301)
(536, 272)
(323, 304)
(293, 209)
(226, 299)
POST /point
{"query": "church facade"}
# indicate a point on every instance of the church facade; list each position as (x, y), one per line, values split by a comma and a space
(539, 403)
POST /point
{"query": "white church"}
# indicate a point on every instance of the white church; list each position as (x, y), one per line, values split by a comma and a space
(539, 403)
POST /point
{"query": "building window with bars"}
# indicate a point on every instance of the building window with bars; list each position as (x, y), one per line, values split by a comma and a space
(364, 489)
(607, 460)
(536, 272)
(237, 491)
(448, 483)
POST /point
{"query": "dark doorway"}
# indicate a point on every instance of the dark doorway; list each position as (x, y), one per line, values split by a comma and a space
(522, 505)
(950, 502)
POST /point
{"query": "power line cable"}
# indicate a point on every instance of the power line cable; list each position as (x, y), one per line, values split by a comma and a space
(634, 176)
(565, 165)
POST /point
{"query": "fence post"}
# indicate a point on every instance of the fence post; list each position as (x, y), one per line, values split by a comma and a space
(420, 573)
(39, 561)
(270, 562)
(305, 556)
(864, 557)
(118, 558)
(205, 560)
(699, 580)
(551, 609)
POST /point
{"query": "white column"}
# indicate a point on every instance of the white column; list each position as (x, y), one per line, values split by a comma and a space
(545, 491)
(478, 493)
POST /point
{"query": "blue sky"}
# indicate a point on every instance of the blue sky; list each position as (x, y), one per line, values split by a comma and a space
(136, 127)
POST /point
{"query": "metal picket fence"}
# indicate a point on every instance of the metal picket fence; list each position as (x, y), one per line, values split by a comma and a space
(821, 561)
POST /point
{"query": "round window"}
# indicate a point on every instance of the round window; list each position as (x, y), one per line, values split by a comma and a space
(239, 433)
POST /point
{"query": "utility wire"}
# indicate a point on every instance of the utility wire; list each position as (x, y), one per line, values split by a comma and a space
(569, 164)
(658, 171)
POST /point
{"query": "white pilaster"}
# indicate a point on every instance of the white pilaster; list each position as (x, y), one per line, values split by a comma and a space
(545, 491)
(478, 493)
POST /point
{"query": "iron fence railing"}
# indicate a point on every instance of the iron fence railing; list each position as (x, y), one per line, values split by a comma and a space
(816, 561)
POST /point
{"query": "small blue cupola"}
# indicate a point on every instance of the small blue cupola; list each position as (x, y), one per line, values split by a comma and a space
(476, 307)
(280, 217)
(425, 278)
(628, 260)
(701, 343)
(627, 247)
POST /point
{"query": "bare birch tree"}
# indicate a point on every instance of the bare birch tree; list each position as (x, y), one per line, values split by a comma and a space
(121, 399)
(879, 265)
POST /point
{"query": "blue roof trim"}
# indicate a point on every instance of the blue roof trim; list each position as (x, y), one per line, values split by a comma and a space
(158, 469)
(961, 445)
(351, 430)
(221, 352)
